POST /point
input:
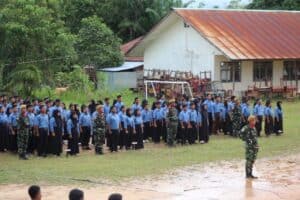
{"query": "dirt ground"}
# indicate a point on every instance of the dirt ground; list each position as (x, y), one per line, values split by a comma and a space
(279, 178)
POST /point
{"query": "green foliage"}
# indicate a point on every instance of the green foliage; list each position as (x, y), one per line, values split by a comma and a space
(97, 45)
(235, 4)
(24, 79)
(275, 4)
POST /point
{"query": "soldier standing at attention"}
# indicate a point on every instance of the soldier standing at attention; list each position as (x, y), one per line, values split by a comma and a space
(249, 135)
(172, 123)
(99, 129)
(23, 133)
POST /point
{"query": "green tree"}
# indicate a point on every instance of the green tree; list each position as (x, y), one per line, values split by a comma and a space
(31, 34)
(97, 45)
(275, 4)
(235, 4)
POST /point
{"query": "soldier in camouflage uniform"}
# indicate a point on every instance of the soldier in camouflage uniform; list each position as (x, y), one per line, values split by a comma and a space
(23, 133)
(236, 119)
(99, 129)
(249, 135)
(172, 123)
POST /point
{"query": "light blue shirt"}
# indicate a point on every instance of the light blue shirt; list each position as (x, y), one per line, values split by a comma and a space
(130, 121)
(278, 113)
(138, 120)
(85, 120)
(258, 110)
(123, 117)
(193, 116)
(246, 111)
(118, 105)
(158, 114)
(114, 121)
(53, 125)
(135, 107)
(106, 109)
(70, 126)
(147, 115)
(268, 112)
(42, 121)
(184, 116)
(31, 117)
(3, 118)
(12, 119)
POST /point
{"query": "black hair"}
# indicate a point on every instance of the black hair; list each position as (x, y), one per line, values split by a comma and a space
(122, 107)
(106, 99)
(76, 194)
(83, 106)
(279, 105)
(115, 196)
(128, 112)
(33, 191)
(268, 103)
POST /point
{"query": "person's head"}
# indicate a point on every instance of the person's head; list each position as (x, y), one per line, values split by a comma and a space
(123, 109)
(136, 100)
(106, 100)
(258, 101)
(251, 121)
(23, 109)
(172, 103)
(29, 108)
(268, 103)
(146, 106)
(128, 112)
(232, 98)
(218, 99)
(279, 104)
(57, 102)
(14, 108)
(208, 97)
(84, 108)
(99, 109)
(76, 194)
(184, 107)
(158, 104)
(71, 106)
(1, 109)
(56, 114)
(237, 102)
(34, 192)
(113, 109)
(74, 116)
(119, 98)
(137, 112)
(43, 109)
(193, 106)
(115, 196)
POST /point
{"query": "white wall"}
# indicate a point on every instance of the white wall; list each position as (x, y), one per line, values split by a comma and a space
(180, 48)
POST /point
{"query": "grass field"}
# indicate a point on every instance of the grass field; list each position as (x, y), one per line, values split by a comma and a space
(154, 159)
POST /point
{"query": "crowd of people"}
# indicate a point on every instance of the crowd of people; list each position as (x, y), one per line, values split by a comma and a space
(35, 193)
(29, 126)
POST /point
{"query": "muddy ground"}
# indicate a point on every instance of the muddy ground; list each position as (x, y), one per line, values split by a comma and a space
(279, 178)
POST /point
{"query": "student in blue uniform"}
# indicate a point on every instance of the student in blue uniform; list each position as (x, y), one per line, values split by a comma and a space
(56, 133)
(268, 118)
(123, 131)
(278, 121)
(192, 137)
(138, 135)
(85, 125)
(118, 104)
(204, 130)
(130, 129)
(136, 105)
(210, 109)
(114, 125)
(12, 120)
(73, 132)
(3, 130)
(42, 130)
(184, 118)
(32, 141)
(148, 121)
(258, 112)
(158, 116)
(245, 112)
(106, 106)
(218, 109)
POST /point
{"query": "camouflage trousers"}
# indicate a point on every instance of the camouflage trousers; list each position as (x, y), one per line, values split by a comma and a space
(236, 126)
(251, 154)
(172, 132)
(22, 141)
(99, 140)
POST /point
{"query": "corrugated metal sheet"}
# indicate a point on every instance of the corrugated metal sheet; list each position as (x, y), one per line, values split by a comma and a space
(124, 67)
(248, 35)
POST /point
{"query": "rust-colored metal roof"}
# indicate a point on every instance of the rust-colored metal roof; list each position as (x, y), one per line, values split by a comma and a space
(125, 48)
(248, 35)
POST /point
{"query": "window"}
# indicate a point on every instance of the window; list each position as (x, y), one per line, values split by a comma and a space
(230, 71)
(262, 71)
(291, 70)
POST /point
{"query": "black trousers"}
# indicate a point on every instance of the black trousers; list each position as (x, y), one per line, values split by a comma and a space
(192, 137)
(13, 140)
(278, 125)
(211, 123)
(3, 137)
(158, 131)
(128, 137)
(258, 125)
(86, 136)
(114, 139)
(268, 125)
(122, 136)
(73, 142)
(147, 131)
(184, 133)
(139, 136)
(42, 141)
(32, 142)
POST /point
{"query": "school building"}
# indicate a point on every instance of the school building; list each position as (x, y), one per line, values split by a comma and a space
(242, 48)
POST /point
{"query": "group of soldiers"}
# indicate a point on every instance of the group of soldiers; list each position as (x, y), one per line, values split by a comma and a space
(41, 125)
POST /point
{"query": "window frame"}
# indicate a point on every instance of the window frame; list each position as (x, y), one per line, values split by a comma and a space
(232, 68)
(259, 66)
(293, 72)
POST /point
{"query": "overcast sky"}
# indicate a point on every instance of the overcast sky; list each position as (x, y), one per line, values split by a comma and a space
(220, 3)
